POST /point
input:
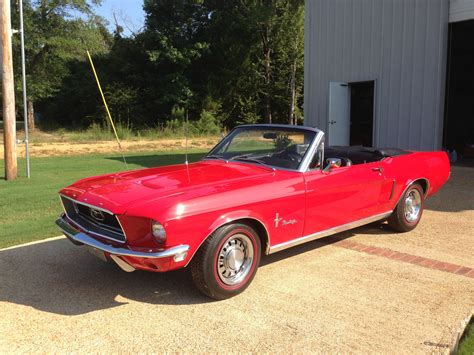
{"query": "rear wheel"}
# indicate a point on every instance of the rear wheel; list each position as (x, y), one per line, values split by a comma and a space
(407, 214)
(227, 261)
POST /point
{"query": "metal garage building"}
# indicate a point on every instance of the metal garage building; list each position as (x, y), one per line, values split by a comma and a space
(391, 72)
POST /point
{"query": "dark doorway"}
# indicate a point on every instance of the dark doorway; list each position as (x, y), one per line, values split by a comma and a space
(362, 113)
(459, 108)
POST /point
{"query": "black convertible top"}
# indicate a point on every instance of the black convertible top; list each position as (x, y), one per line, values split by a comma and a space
(361, 155)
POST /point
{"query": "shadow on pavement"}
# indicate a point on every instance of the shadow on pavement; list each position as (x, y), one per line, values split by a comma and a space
(58, 277)
(457, 194)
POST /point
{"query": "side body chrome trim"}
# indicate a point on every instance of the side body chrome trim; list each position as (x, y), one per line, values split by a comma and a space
(83, 238)
(327, 232)
(392, 191)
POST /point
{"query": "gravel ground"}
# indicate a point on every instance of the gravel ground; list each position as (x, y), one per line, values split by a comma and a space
(55, 297)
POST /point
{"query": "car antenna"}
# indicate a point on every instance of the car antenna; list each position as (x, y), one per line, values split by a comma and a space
(186, 138)
(105, 104)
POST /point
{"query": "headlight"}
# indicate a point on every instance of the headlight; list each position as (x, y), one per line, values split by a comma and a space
(158, 231)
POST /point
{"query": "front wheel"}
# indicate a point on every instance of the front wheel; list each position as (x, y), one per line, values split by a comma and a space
(227, 261)
(407, 214)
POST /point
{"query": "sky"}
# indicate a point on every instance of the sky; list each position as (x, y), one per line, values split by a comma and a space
(129, 14)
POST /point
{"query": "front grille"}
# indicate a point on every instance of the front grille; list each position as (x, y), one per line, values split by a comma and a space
(95, 221)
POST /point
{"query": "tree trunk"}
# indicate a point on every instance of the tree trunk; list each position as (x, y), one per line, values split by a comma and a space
(268, 76)
(31, 116)
(292, 118)
(8, 93)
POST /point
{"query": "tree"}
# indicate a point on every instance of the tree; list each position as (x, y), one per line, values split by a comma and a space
(174, 41)
(54, 38)
(289, 49)
(257, 54)
(240, 61)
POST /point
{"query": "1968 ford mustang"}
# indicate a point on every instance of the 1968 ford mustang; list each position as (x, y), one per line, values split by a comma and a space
(262, 189)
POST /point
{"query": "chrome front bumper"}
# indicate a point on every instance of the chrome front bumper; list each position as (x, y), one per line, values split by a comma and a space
(178, 253)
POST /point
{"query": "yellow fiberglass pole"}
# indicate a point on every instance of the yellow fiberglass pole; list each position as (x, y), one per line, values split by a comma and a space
(105, 104)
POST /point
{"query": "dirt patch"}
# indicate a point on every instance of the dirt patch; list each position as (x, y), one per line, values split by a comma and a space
(103, 147)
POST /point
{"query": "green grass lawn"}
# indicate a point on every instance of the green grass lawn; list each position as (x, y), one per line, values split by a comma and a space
(29, 207)
(466, 345)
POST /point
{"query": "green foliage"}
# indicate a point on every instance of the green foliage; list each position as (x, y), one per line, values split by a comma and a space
(222, 62)
(282, 141)
(178, 114)
(257, 47)
(54, 38)
(207, 124)
(466, 345)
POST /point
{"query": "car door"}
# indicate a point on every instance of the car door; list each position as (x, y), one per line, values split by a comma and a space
(343, 195)
(282, 206)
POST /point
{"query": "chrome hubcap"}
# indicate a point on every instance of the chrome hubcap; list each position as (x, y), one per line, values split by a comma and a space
(412, 205)
(235, 259)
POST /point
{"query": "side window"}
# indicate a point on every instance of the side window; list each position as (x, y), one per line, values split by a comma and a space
(318, 157)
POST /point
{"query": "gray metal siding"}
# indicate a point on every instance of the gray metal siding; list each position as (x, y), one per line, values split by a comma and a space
(461, 10)
(402, 44)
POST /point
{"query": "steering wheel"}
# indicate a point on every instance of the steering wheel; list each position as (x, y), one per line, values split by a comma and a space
(292, 156)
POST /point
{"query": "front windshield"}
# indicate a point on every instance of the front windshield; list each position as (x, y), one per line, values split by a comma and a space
(273, 146)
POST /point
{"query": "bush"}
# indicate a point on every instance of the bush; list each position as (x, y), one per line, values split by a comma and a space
(207, 124)
(282, 141)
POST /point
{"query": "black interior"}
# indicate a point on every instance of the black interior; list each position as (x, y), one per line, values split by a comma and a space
(289, 158)
(361, 155)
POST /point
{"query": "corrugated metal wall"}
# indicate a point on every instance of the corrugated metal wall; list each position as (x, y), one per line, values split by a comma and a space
(402, 44)
(461, 10)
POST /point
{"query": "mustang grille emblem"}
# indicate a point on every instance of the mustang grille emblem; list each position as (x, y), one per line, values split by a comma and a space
(97, 215)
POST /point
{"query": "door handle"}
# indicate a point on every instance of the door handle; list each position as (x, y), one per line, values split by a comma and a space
(332, 122)
(379, 169)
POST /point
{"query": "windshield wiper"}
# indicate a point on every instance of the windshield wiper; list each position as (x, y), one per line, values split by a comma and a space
(212, 156)
(252, 160)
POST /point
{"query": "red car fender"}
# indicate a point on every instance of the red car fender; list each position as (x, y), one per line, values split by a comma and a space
(233, 216)
(432, 168)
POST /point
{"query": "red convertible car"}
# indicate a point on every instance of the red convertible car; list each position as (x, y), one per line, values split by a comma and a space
(262, 189)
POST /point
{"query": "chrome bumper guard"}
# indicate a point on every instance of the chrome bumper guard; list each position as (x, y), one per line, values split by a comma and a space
(77, 237)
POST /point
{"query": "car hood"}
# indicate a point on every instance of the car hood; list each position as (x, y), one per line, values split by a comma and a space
(121, 192)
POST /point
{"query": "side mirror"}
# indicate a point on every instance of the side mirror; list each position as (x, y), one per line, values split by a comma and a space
(332, 163)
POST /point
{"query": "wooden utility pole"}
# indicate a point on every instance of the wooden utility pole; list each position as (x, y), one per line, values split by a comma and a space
(9, 120)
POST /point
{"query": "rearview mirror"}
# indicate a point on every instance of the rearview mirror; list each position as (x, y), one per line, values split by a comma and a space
(332, 163)
(270, 135)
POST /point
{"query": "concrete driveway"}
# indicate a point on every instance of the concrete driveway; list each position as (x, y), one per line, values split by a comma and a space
(369, 290)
